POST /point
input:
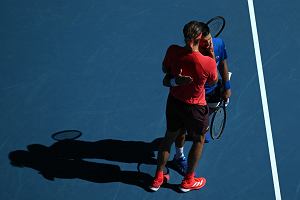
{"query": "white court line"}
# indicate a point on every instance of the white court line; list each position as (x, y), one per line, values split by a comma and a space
(264, 100)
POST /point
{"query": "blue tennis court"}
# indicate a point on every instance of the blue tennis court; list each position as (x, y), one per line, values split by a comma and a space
(95, 67)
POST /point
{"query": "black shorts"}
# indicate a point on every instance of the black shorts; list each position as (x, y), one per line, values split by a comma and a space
(180, 115)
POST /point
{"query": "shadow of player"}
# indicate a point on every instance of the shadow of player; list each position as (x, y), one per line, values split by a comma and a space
(64, 159)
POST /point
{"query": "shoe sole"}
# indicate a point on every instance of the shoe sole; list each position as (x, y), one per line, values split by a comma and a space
(184, 190)
(154, 189)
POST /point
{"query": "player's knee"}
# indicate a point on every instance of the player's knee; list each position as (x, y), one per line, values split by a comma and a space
(168, 140)
(165, 145)
(199, 137)
(180, 137)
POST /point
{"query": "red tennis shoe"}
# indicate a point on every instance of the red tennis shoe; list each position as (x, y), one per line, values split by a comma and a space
(158, 180)
(192, 183)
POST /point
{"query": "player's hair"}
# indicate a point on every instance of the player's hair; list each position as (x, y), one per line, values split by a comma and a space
(192, 30)
(205, 30)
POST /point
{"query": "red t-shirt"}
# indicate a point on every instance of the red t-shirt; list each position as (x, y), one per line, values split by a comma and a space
(201, 68)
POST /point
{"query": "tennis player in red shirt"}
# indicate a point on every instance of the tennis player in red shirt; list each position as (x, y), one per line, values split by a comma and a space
(186, 104)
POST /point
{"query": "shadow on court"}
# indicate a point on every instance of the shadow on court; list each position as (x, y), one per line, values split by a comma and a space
(64, 159)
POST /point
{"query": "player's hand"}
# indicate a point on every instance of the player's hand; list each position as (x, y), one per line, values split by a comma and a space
(208, 50)
(183, 80)
(226, 94)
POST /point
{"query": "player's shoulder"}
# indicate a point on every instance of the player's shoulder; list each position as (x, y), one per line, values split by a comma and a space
(210, 61)
(174, 50)
(218, 41)
(174, 47)
(205, 60)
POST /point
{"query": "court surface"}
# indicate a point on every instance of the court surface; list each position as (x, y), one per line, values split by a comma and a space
(95, 66)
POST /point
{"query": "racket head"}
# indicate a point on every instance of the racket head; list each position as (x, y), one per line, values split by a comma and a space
(66, 135)
(218, 121)
(216, 25)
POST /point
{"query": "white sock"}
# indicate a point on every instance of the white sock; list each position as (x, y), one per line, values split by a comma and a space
(179, 152)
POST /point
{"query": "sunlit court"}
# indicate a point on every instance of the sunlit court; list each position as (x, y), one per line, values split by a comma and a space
(83, 105)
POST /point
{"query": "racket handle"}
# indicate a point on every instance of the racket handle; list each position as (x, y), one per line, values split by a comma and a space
(229, 75)
(227, 102)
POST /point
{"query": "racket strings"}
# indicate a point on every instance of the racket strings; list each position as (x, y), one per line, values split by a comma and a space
(218, 123)
(215, 26)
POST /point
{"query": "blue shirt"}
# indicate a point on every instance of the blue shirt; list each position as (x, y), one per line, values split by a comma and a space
(220, 54)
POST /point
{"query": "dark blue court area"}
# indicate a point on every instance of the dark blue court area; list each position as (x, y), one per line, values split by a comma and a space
(95, 67)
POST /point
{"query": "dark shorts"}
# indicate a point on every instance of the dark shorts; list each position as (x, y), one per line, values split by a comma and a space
(193, 118)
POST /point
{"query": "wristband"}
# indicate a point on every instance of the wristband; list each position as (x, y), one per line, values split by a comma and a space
(227, 85)
(173, 82)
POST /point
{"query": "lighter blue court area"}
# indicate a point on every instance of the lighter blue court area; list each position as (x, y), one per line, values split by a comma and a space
(95, 66)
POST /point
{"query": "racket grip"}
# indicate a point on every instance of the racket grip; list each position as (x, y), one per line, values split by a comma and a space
(229, 75)
(227, 102)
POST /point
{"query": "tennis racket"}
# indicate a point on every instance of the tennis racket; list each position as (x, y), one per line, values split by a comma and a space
(218, 121)
(216, 25)
(66, 135)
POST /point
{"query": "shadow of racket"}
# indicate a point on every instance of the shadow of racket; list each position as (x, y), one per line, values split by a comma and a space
(66, 135)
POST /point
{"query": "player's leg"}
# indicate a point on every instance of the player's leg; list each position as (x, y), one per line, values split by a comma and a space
(179, 161)
(197, 125)
(164, 150)
(195, 152)
(190, 182)
(162, 159)
(174, 124)
(179, 144)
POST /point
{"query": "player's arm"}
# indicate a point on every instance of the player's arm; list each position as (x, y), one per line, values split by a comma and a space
(164, 69)
(212, 82)
(179, 80)
(167, 80)
(223, 68)
(212, 78)
(172, 80)
(168, 76)
(224, 72)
